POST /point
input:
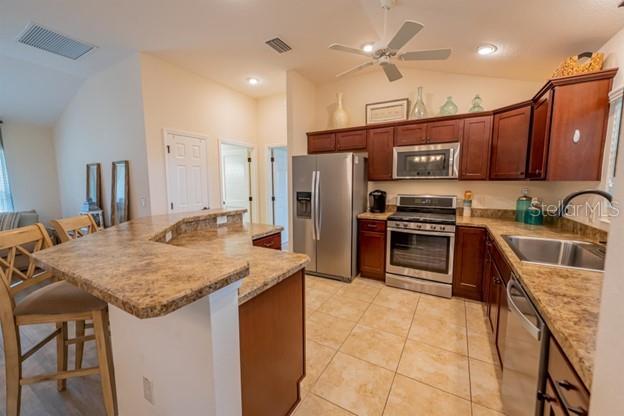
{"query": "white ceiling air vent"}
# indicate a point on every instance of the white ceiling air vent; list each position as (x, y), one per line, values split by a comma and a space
(279, 45)
(48, 40)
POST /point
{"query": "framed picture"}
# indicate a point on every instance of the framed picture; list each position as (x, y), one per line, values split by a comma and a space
(94, 186)
(119, 194)
(387, 111)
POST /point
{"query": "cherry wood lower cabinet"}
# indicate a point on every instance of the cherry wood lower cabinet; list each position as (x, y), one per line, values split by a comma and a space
(380, 143)
(469, 258)
(272, 348)
(273, 241)
(567, 394)
(372, 249)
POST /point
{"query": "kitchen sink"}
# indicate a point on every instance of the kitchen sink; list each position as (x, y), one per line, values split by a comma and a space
(555, 252)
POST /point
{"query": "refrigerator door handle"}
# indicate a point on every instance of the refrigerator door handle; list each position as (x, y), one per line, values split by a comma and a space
(319, 214)
(313, 203)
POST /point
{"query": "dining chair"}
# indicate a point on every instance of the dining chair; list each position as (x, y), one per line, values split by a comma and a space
(56, 303)
(68, 229)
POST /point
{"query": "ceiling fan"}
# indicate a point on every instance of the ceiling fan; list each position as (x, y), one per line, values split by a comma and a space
(384, 55)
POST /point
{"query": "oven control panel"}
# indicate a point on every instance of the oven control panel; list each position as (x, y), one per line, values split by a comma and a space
(420, 226)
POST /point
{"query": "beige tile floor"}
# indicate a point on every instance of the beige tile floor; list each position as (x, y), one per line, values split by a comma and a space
(374, 350)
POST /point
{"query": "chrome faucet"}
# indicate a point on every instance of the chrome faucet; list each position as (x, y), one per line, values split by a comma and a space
(566, 201)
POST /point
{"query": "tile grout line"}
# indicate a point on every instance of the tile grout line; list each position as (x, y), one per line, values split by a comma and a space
(468, 357)
(401, 356)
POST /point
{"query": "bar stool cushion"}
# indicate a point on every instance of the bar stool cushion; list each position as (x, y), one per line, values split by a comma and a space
(58, 298)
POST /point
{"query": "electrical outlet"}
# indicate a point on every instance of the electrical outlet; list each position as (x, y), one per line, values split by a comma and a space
(148, 390)
(221, 220)
(168, 236)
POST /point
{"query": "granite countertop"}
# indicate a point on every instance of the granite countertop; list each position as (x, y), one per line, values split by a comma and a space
(267, 267)
(568, 299)
(379, 216)
(131, 267)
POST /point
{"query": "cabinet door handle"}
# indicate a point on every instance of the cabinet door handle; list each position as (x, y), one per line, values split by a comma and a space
(565, 384)
(576, 137)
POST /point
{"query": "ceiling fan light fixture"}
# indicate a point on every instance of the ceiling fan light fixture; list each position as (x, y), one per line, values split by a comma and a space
(253, 81)
(486, 49)
(368, 47)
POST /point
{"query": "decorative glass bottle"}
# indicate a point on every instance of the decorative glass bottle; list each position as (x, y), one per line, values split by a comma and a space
(449, 108)
(476, 105)
(418, 109)
(340, 118)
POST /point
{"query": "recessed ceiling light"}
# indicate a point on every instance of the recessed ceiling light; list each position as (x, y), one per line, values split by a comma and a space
(253, 81)
(368, 48)
(486, 49)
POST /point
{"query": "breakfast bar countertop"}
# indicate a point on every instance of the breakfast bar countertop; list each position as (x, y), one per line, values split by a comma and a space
(142, 267)
(568, 299)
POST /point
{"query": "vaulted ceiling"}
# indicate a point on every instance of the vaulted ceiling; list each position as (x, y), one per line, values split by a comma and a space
(224, 40)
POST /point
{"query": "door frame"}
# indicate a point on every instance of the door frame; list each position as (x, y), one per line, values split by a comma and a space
(269, 178)
(200, 136)
(253, 172)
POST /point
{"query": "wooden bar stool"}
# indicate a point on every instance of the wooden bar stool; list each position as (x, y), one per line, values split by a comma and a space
(69, 229)
(56, 303)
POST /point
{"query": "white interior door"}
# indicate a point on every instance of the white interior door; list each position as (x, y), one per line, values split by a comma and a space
(187, 173)
(236, 178)
(279, 189)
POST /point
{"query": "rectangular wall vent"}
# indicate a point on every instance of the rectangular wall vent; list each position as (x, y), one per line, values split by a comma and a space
(48, 40)
(279, 45)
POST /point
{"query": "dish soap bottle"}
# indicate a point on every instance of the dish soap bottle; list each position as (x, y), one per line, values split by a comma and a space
(522, 204)
(534, 214)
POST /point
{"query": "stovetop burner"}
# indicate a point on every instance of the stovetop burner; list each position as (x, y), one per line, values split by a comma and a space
(427, 217)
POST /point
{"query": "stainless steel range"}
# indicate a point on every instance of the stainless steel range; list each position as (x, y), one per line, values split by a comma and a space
(421, 243)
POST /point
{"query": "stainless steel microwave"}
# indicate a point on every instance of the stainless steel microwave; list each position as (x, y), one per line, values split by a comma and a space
(429, 161)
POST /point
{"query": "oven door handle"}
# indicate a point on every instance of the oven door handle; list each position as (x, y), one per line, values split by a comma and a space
(410, 231)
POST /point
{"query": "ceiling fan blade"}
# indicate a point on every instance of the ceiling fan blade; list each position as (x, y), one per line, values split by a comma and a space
(357, 68)
(405, 34)
(430, 55)
(348, 49)
(392, 72)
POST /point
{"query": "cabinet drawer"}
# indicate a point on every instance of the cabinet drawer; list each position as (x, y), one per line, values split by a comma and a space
(445, 131)
(273, 241)
(373, 226)
(410, 135)
(318, 143)
(351, 140)
(568, 386)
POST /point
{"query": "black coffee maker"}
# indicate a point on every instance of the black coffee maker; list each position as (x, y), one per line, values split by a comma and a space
(377, 201)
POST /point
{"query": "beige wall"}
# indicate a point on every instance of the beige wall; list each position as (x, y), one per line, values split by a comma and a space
(271, 131)
(177, 99)
(31, 163)
(607, 398)
(373, 86)
(104, 123)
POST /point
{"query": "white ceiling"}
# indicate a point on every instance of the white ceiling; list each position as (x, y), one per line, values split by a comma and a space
(224, 39)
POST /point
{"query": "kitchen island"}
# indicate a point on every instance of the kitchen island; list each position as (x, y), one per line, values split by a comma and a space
(172, 283)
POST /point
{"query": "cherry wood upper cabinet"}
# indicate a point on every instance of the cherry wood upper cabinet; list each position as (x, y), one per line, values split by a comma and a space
(380, 142)
(468, 262)
(351, 140)
(475, 148)
(510, 142)
(445, 131)
(411, 134)
(578, 128)
(540, 131)
(321, 142)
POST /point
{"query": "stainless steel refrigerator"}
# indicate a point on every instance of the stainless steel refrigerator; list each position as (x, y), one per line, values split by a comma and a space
(328, 192)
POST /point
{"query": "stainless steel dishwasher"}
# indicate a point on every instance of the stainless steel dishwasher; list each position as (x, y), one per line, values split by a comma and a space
(524, 357)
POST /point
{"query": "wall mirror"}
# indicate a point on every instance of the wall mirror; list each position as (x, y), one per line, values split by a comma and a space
(119, 196)
(94, 186)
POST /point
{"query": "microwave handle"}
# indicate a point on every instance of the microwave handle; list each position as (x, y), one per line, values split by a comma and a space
(454, 165)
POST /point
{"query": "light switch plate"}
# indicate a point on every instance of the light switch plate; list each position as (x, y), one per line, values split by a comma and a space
(221, 220)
